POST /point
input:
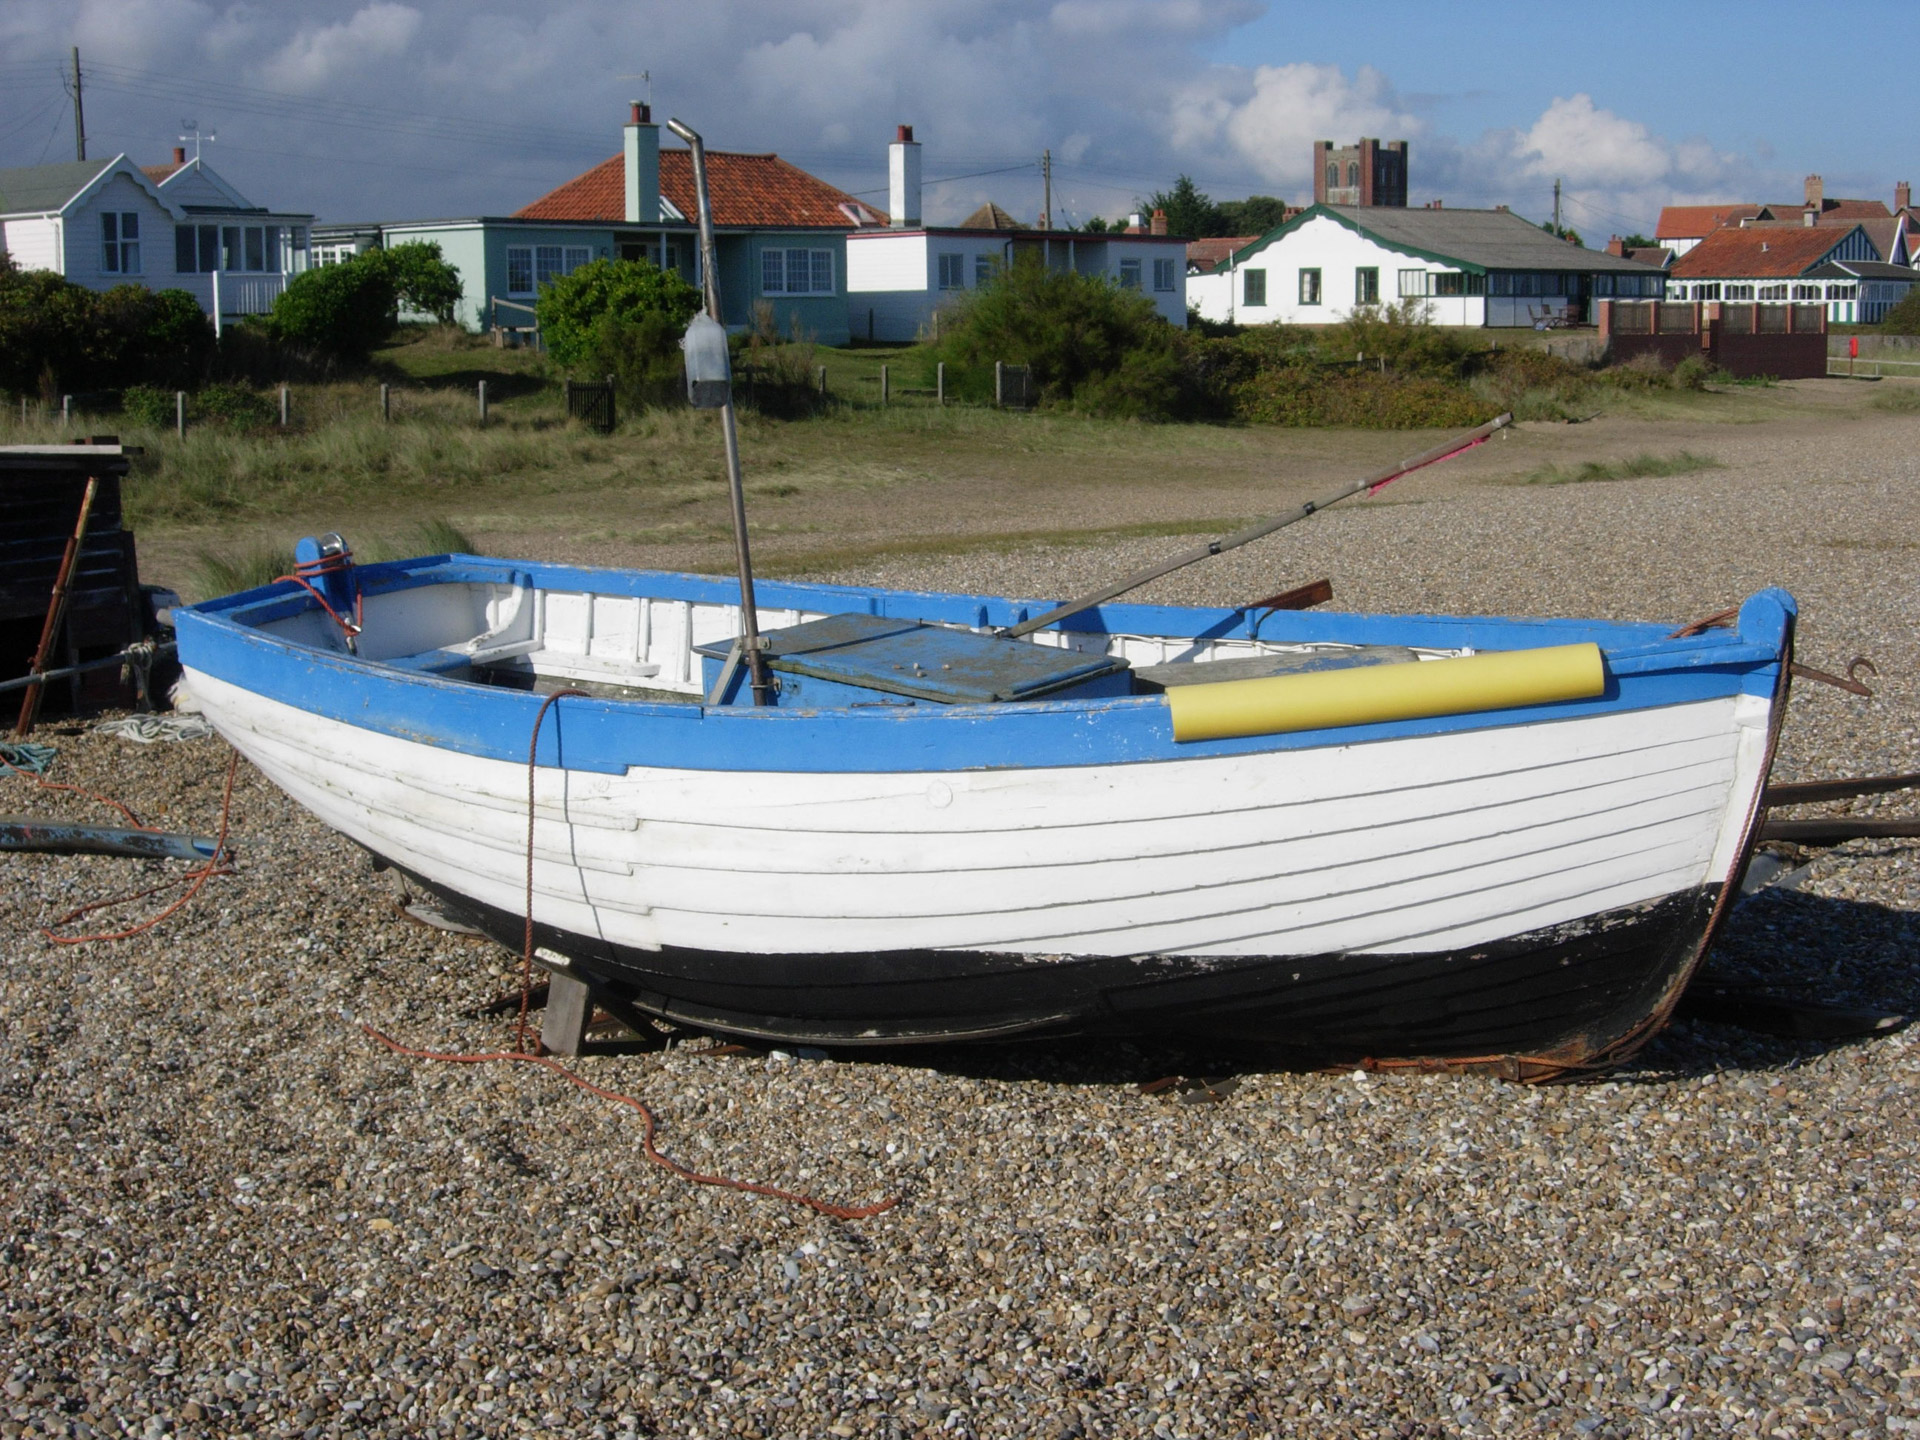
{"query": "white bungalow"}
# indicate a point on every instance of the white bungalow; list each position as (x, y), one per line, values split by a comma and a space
(1470, 267)
(103, 223)
(900, 277)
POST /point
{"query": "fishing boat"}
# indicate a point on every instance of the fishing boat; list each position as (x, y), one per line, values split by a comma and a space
(851, 816)
(938, 832)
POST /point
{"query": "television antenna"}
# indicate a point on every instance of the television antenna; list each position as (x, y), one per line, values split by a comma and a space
(645, 77)
(192, 127)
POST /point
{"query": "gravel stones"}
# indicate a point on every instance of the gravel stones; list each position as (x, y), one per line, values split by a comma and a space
(224, 1211)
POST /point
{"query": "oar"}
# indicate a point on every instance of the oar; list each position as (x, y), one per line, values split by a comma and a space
(1254, 532)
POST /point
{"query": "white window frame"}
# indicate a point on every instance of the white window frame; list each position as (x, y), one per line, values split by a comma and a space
(577, 255)
(549, 264)
(119, 245)
(525, 254)
(1313, 288)
(782, 266)
(1163, 277)
(1415, 284)
(1130, 273)
(952, 270)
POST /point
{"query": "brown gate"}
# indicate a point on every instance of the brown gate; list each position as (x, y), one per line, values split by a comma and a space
(591, 403)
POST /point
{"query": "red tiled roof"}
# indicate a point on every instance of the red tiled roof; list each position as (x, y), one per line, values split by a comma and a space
(1761, 251)
(1684, 222)
(1651, 255)
(751, 190)
(1207, 254)
(158, 174)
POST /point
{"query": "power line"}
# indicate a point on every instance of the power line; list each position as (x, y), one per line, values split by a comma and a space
(949, 179)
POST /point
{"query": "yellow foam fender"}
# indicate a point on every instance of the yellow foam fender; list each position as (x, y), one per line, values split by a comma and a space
(1370, 695)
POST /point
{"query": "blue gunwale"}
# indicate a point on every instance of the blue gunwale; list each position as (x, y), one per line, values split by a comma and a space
(220, 638)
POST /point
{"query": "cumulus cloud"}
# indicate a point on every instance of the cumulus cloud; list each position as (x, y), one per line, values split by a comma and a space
(317, 57)
(397, 108)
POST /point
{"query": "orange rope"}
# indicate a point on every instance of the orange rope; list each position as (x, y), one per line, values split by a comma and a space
(46, 784)
(653, 1152)
(195, 880)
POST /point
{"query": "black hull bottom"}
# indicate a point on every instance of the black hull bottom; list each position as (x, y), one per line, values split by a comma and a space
(1549, 999)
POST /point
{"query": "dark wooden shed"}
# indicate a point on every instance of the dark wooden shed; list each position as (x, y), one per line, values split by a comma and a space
(40, 494)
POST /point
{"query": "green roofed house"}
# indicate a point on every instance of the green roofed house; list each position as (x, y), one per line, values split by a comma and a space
(1469, 267)
(780, 236)
(103, 223)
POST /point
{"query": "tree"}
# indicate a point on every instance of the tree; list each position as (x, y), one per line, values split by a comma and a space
(1088, 343)
(56, 336)
(578, 311)
(1189, 211)
(1255, 215)
(1565, 232)
(423, 282)
(1637, 241)
(340, 312)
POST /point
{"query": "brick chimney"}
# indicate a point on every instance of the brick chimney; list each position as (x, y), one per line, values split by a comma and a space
(643, 167)
(1902, 197)
(1159, 225)
(1617, 246)
(903, 179)
(179, 154)
(1816, 193)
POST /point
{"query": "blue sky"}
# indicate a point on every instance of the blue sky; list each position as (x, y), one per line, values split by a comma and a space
(388, 109)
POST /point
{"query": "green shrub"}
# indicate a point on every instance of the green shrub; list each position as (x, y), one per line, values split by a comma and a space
(778, 373)
(629, 311)
(1904, 318)
(148, 405)
(1088, 343)
(338, 312)
(1692, 373)
(231, 405)
(423, 282)
(1358, 399)
(1404, 335)
(57, 337)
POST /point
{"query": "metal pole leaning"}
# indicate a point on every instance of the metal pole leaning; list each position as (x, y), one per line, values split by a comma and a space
(1247, 536)
(757, 672)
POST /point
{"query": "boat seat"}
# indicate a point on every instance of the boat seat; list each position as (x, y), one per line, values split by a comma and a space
(457, 657)
(1153, 678)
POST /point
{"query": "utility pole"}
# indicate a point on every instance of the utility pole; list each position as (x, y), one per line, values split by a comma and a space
(79, 116)
(1046, 182)
(1556, 207)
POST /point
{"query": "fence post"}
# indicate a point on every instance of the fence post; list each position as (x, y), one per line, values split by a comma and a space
(217, 331)
(483, 402)
(823, 381)
(66, 412)
(566, 397)
(886, 385)
(939, 378)
(613, 416)
(386, 404)
(180, 414)
(285, 407)
(999, 384)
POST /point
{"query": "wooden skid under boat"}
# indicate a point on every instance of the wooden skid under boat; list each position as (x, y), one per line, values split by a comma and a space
(940, 834)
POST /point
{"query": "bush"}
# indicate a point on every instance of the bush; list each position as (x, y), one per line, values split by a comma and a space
(778, 374)
(628, 308)
(148, 405)
(1692, 373)
(1358, 399)
(1088, 344)
(1405, 336)
(1904, 318)
(339, 312)
(57, 337)
(232, 406)
(423, 282)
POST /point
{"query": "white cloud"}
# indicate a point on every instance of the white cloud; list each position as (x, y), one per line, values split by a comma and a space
(1294, 105)
(1589, 146)
(315, 58)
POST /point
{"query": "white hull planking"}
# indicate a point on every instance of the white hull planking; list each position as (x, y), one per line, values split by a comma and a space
(1397, 846)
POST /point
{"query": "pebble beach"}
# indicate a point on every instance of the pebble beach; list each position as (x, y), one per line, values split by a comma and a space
(226, 1211)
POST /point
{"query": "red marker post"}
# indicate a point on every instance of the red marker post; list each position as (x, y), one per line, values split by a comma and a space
(1853, 353)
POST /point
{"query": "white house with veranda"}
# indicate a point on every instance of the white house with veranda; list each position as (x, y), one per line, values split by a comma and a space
(900, 276)
(103, 223)
(1469, 267)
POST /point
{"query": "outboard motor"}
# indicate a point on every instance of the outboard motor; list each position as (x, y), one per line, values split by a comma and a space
(324, 564)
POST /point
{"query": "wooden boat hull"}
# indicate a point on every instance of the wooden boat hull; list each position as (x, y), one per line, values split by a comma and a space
(1526, 889)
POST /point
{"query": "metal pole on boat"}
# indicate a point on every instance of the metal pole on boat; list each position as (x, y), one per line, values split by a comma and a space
(1254, 532)
(710, 275)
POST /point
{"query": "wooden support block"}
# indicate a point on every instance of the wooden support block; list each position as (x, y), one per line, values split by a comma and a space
(569, 1007)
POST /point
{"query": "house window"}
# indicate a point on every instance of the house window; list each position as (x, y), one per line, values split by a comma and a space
(953, 272)
(1353, 176)
(255, 249)
(1163, 275)
(519, 270)
(1773, 292)
(549, 264)
(1130, 274)
(1449, 283)
(1333, 176)
(1366, 285)
(1413, 283)
(1739, 292)
(983, 269)
(1253, 287)
(576, 257)
(796, 272)
(1310, 287)
(1707, 292)
(1800, 292)
(120, 242)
